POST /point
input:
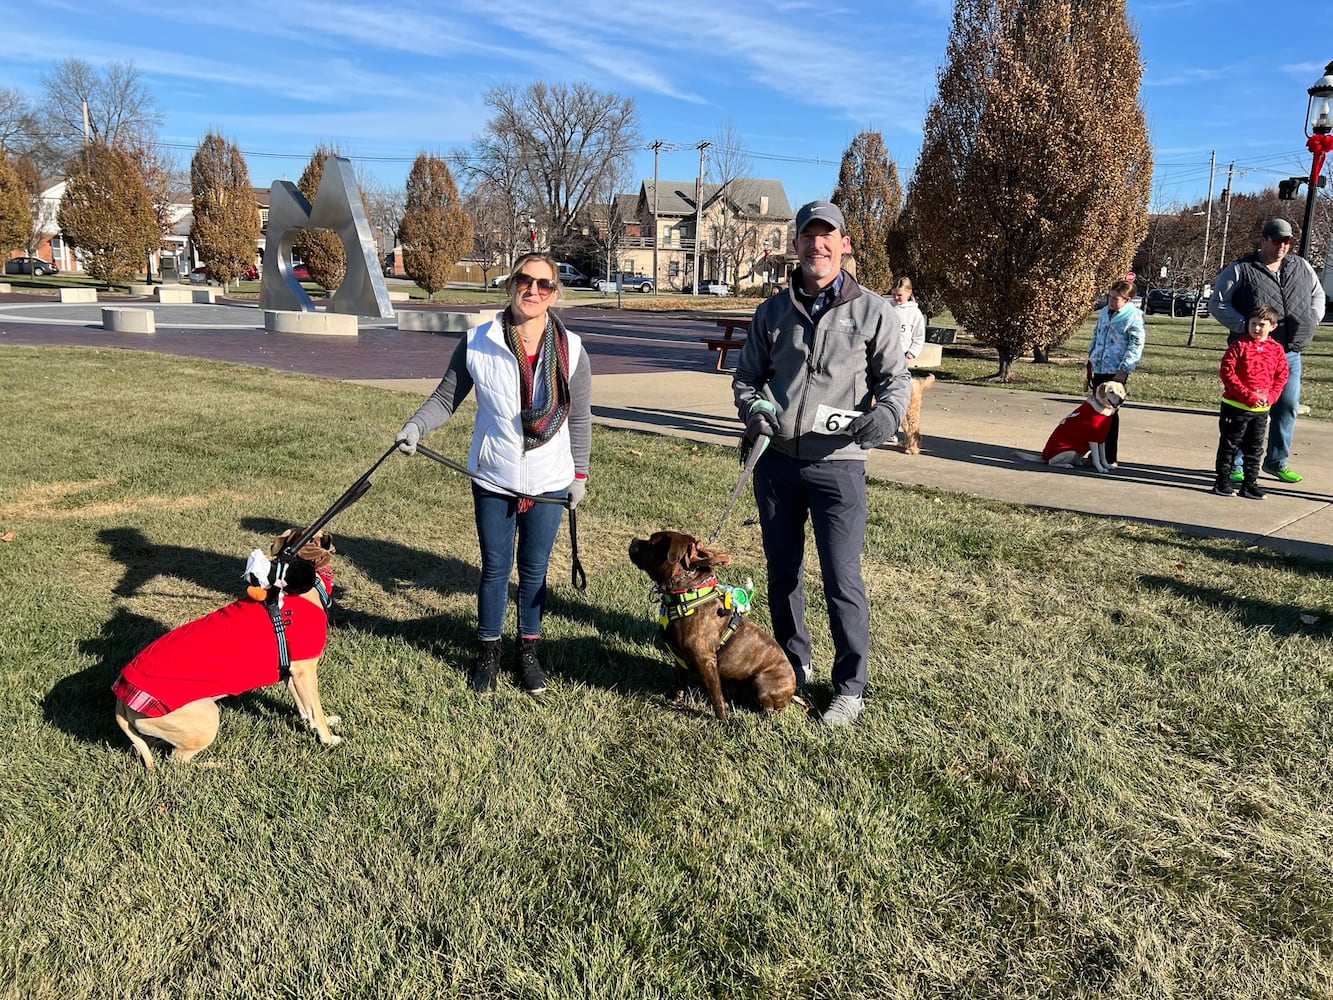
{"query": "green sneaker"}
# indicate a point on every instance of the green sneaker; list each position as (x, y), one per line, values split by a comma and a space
(1238, 475)
(1286, 473)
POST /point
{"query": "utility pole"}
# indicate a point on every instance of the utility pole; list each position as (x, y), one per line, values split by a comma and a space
(1226, 217)
(656, 147)
(699, 211)
(1203, 261)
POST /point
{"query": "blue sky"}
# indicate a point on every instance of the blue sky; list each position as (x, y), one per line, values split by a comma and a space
(795, 80)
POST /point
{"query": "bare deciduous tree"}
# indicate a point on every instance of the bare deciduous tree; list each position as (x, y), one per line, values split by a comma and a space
(738, 232)
(106, 213)
(1032, 185)
(493, 234)
(871, 198)
(551, 147)
(121, 110)
(226, 218)
(436, 232)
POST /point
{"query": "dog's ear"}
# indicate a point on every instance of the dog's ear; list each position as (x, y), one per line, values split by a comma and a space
(702, 558)
(300, 576)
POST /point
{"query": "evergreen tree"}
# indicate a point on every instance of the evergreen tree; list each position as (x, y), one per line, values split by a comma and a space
(15, 217)
(870, 197)
(226, 218)
(106, 214)
(435, 232)
(1032, 186)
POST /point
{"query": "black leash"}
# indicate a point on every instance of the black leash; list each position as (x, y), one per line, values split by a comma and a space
(577, 577)
(353, 493)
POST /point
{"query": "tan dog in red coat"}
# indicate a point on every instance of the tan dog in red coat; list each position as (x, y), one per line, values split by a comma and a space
(701, 628)
(170, 690)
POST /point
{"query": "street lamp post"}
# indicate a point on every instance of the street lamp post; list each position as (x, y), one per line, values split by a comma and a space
(532, 233)
(1319, 141)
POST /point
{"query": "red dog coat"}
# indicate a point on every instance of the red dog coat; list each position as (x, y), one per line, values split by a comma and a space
(228, 651)
(1078, 432)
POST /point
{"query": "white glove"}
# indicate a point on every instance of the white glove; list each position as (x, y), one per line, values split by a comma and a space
(576, 491)
(407, 438)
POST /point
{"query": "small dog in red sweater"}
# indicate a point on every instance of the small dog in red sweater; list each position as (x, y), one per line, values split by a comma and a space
(170, 690)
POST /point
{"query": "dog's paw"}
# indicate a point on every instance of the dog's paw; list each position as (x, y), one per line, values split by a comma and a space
(332, 741)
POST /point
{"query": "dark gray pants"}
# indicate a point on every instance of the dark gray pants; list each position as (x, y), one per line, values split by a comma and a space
(832, 496)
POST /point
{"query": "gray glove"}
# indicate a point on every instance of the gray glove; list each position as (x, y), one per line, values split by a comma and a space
(576, 491)
(407, 438)
(761, 420)
(873, 428)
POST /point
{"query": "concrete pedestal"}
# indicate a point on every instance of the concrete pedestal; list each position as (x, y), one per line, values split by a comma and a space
(327, 324)
(432, 321)
(126, 320)
(78, 295)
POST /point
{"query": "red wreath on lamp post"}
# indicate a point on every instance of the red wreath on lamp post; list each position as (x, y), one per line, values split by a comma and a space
(1319, 132)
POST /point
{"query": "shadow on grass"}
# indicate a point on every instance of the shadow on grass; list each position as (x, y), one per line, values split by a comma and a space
(81, 704)
(1279, 618)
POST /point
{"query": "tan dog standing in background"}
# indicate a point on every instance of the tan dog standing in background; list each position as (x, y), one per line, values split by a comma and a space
(170, 690)
(909, 434)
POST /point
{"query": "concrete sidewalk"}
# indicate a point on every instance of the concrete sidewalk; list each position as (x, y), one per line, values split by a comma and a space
(970, 436)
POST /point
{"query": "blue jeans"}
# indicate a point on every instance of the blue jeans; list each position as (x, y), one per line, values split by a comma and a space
(832, 496)
(498, 523)
(1282, 417)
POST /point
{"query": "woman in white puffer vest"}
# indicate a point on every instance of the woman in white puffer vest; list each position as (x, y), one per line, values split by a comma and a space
(532, 435)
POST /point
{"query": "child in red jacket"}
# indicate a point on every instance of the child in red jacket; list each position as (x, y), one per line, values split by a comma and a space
(1254, 370)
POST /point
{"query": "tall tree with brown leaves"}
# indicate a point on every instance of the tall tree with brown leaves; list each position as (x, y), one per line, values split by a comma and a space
(226, 218)
(1033, 180)
(321, 249)
(436, 232)
(106, 214)
(871, 198)
(15, 216)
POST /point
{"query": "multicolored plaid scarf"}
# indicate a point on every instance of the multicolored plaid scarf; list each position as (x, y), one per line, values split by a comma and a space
(541, 423)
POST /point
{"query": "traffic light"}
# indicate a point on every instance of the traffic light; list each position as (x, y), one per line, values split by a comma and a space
(1287, 190)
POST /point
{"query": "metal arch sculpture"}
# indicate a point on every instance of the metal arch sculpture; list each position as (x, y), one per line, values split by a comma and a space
(337, 207)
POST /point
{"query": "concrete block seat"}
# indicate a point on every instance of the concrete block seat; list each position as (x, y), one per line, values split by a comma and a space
(320, 323)
(124, 319)
(78, 295)
(438, 321)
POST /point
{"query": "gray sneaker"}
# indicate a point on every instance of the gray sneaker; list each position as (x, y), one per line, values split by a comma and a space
(843, 710)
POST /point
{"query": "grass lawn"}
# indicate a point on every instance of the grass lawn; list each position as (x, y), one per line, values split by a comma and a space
(1094, 761)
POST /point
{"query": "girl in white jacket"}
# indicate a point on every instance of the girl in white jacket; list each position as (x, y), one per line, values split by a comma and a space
(913, 331)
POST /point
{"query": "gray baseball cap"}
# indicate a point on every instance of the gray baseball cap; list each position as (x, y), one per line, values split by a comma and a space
(1277, 229)
(825, 211)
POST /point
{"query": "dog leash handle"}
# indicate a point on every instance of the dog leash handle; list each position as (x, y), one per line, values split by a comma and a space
(577, 577)
(352, 494)
(756, 449)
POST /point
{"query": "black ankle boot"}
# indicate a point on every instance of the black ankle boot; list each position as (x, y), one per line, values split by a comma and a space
(482, 678)
(530, 676)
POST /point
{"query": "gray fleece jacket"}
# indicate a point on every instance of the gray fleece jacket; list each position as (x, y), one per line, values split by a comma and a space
(850, 359)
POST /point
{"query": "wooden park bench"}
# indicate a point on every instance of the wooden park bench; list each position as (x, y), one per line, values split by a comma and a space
(727, 342)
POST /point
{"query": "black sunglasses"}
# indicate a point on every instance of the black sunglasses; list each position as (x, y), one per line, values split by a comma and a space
(523, 282)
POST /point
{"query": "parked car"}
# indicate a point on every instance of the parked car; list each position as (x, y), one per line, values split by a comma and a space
(709, 288)
(30, 265)
(499, 280)
(571, 276)
(628, 282)
(1174, 302)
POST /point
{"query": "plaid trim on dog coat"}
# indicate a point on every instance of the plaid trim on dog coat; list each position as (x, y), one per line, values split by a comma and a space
(228, 651)
(1078, 432)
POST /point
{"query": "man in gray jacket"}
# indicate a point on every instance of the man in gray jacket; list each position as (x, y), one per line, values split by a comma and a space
(1273, 276)
(821, 375)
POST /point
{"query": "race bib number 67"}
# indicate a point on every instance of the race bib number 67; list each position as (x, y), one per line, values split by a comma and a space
(831, 421)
